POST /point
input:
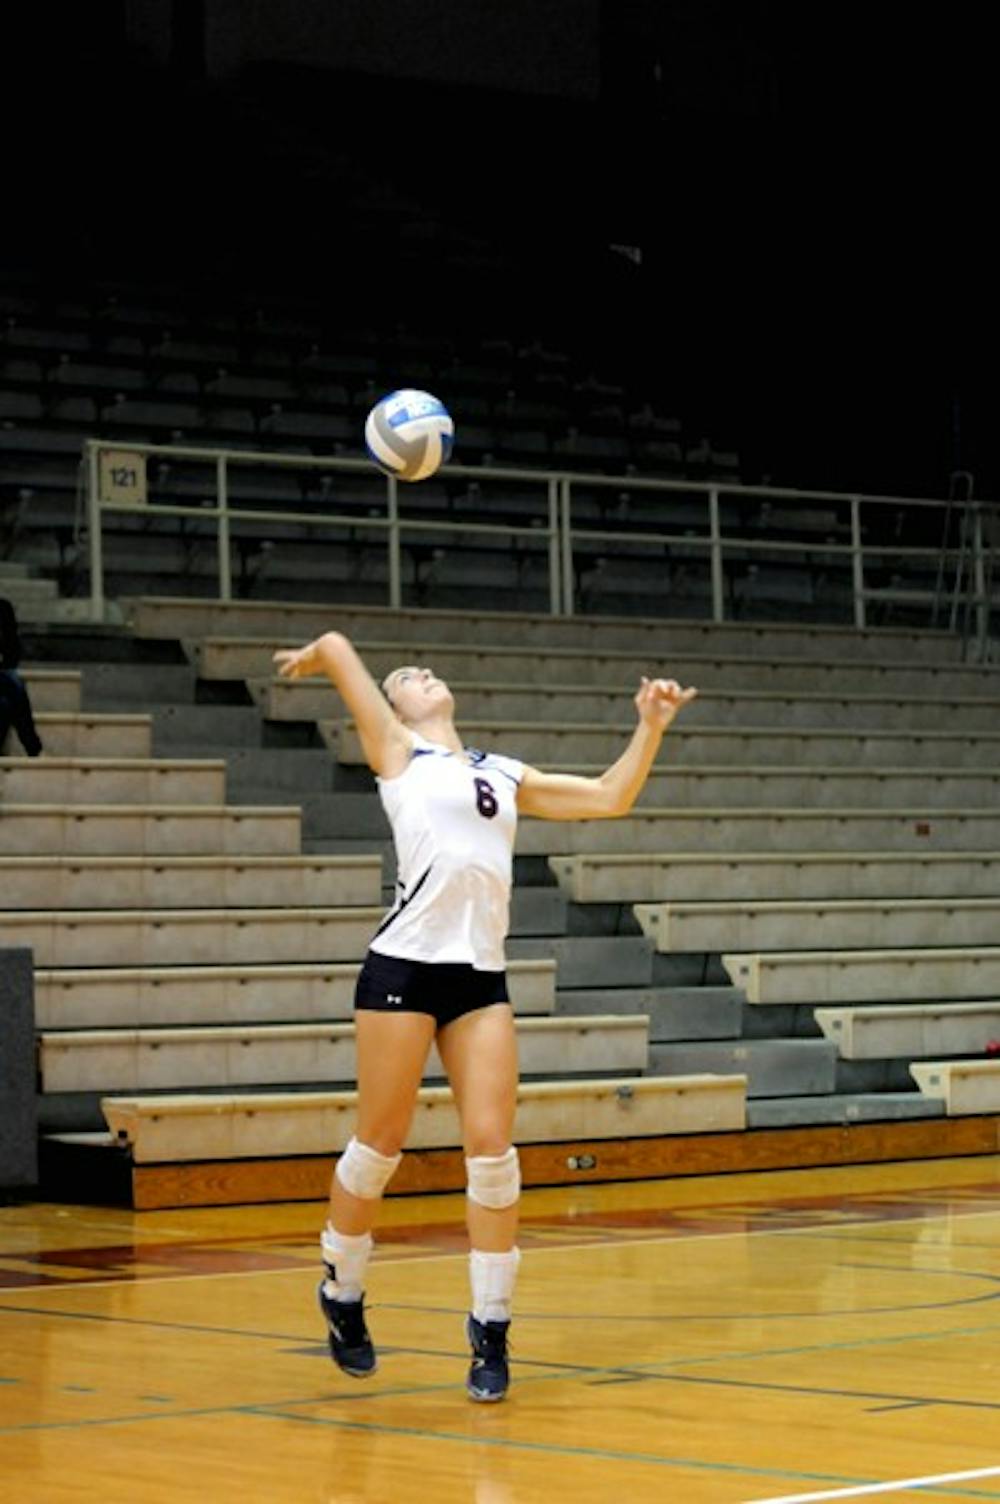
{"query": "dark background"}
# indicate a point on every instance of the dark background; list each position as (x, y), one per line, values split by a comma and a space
(810, 187)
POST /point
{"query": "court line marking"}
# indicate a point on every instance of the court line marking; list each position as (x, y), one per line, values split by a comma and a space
(895, 1486)
(681, 1239)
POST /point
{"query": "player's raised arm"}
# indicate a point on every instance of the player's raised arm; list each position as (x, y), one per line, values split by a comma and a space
(386, 742)
(565, 796)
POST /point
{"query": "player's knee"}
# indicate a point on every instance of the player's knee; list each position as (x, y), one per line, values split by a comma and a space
(494, 1180)
(364, 1172)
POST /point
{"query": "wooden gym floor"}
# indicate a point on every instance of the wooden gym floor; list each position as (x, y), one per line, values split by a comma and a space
(811, 1334)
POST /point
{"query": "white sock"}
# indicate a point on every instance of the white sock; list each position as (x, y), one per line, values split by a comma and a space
(346, 1259)
(492, 1276)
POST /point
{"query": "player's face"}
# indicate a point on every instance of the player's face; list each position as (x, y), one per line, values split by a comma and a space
(415, 693)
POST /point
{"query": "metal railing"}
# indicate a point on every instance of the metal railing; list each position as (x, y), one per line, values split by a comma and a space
(864, 546)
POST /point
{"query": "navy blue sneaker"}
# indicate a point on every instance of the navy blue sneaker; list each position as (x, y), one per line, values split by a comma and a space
(350, 1345)
(489, 1375)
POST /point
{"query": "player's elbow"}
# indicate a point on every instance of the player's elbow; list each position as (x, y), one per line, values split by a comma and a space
(611, 802)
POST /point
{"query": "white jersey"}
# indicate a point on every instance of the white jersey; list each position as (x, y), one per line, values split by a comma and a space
(453, 822)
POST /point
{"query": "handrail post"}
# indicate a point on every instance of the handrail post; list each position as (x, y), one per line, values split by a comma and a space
(715, 536)
(858, 565)
(95, 540)
(395, 560)
(979, 579)
(224, 542)
(568, 592)
(555, 574)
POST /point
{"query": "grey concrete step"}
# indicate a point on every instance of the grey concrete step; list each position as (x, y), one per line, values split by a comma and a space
(820, 978)
(316, 700)
(111, 780)
(65, 734)
(186, 882)
(911, 1031)
(812, 1111)
(140, 684)
(234, 658)
(331, 814)
(219, 727)
(785, 830)
(175, 1129)
(184, 618)
(537, 911)
(247, 1055)
(545, 742)
(773, 1067)
(826, 788)
(292, 771)
(673, 1012)
(585, 961)
(150, 830)
(166, 937)
(679, 876)
(294, 992)
(787, 924)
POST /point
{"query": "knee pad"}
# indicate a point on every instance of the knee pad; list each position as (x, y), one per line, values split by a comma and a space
(364, 1171)
(494, 1180)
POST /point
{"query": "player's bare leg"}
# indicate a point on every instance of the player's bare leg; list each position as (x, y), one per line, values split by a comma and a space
(391, 1054)
(479, 1052)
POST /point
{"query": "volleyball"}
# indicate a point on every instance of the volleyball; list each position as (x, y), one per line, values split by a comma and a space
(409, 434)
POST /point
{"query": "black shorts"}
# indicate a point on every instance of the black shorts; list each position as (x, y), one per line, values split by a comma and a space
(444, 989)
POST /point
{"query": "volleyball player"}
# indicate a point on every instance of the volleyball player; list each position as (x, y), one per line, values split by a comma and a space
(435, 972)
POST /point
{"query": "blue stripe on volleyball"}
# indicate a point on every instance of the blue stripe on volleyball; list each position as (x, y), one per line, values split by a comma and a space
(427, 407)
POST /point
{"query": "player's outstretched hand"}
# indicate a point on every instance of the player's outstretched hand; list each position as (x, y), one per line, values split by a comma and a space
(295, 663)
(659, 700)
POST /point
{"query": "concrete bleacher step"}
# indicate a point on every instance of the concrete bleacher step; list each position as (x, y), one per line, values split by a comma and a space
(690, 876)
(734, 830)
(111, 780)
(909, 1031)
(331, 814)
(546, 742)
(840, 1107)
(685, 1013)
(773, 1067)
(820, 788)
(234, 658)
(53, 688)
(116, 1060)
(591, 960)
(160, 830)
(288, 772)
(180, 617)
(185, 882)
(65, 734)
(961, 1086)
(165, 937)
(158, 997)
(536, 911)
(118, 684)
(200, 729)
(808, 924)
(316, 700)
(858, 976)
(189, 1127)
